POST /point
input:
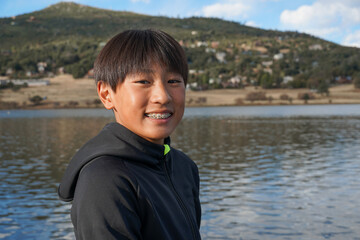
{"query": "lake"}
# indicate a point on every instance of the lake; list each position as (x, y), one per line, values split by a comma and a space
(267, 172)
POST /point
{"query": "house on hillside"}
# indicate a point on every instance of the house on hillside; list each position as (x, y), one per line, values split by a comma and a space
(41, 66)
(278, 56)
(288, 79)
(220, 56)
(343, 80)
(215, 44)
(268, 70)
(261, 50)
(201, 44)
(90, 74)
(28, 82)
(267, 63)
(9, 71)
(315, 47)
(210, 50)
(285, 50)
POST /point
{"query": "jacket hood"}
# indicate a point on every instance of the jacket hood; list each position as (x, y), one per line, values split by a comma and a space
(113, 140)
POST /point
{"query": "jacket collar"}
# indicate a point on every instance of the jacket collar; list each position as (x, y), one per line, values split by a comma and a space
(141, 144)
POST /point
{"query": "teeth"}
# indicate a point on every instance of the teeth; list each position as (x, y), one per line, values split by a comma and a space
(158, 115)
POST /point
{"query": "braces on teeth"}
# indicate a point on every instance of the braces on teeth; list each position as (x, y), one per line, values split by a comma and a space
(159, 115)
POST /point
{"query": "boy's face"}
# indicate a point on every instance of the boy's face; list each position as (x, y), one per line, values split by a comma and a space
(150, 104)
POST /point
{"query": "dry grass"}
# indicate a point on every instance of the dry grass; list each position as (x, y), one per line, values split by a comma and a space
(64, 89)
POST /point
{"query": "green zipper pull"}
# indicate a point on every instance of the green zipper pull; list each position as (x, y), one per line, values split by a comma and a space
(167, 149)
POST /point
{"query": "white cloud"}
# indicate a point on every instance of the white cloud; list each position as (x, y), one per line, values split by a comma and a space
(144, 1)
(323, 18)
(352, 39)
(251, 24)
(227, 9)
(350, 3)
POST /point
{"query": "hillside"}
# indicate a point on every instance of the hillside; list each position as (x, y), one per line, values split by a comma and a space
(66, 37)
(71, 21)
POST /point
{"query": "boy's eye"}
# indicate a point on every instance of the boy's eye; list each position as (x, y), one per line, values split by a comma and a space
(174, 81)
(143, 81)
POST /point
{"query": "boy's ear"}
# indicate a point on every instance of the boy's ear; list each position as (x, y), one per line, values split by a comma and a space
(104, 92)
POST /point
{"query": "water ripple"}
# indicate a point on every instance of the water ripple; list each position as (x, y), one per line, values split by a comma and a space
(261, 178)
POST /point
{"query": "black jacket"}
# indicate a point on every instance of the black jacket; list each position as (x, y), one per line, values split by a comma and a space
(124, 187)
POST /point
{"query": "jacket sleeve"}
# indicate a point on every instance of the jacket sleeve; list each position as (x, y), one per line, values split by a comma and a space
(105, 203)
(197, 198)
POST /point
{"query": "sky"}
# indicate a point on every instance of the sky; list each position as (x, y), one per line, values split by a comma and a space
(337, 21)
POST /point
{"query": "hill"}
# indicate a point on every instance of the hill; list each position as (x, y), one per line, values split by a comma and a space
(66, 37)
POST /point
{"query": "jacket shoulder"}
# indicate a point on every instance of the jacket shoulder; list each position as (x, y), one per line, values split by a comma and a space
(185, 159)
(106, 197)
(106, 170)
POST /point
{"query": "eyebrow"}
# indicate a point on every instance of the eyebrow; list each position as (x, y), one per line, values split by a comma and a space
(152, 71)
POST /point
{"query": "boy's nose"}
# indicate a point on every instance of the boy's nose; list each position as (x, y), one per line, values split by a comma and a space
(160, 94)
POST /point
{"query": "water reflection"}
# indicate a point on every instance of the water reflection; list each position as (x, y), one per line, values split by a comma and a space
(276, 178)
(34, 154)
(261, 178)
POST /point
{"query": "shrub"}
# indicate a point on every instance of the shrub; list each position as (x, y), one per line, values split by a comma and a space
(357, 81)
(97, 101)
(8, 105)
(239, 101)
(73, 103)
(306, 96)
(284, 97)
(36, 100)
(256, 96)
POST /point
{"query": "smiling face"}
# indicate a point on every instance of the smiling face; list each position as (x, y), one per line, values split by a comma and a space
(150, 104)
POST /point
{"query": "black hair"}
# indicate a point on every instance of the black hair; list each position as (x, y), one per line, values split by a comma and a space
(133, 51)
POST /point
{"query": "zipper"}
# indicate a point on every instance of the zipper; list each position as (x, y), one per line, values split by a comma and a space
(177, 196)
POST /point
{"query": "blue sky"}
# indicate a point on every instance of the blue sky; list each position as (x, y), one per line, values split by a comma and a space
(334, 20)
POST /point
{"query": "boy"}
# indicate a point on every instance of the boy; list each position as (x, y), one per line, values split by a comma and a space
(127, 183)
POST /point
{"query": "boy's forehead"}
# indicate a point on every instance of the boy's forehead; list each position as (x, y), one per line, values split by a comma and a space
(152, 70)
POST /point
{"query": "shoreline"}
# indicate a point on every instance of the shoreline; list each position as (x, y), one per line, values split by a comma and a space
(50, 106)
(65, 92)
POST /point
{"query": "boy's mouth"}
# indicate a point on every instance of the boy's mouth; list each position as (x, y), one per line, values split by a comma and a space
(158, 115)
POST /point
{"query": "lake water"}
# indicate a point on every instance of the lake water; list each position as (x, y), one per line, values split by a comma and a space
(275, 172)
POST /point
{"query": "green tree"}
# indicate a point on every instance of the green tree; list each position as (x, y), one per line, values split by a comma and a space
(323, 87)
(36, 99)
(266, 80)
(357, 80)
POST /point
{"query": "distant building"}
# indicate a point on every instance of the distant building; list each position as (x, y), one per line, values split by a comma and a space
(29, 73)
(41, 66)
(285, 50)
(31, 19)
(90, 73)
(215, 44)
(315, 47)
(9, 71)
(61, 70)
(29, 82)
(261, 50)
(343, 80)
(220, 56)
(201, 44)
(268, 70)
(288, 79)
(267, 63)
(278, 56)
(210, 50)
(235, 80)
